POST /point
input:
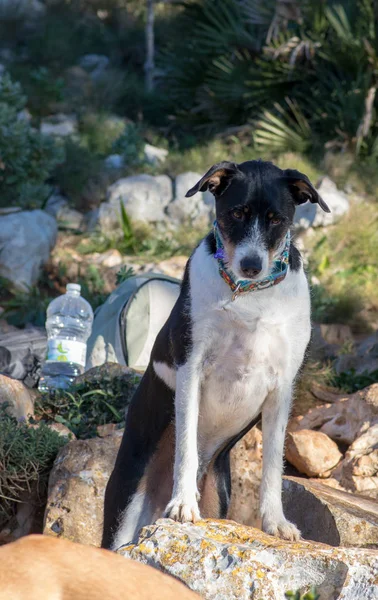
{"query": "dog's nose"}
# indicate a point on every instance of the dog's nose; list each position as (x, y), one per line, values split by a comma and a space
(251, 266)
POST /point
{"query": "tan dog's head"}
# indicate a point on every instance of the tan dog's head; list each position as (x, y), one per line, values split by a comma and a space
(42, 568)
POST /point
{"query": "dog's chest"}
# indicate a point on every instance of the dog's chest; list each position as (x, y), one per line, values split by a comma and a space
(239, 369)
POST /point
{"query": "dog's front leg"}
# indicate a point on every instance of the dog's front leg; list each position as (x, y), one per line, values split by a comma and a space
(275, 415)
(184, 503)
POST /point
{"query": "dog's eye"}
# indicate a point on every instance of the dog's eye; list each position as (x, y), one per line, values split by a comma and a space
(274, 220)
(238, 214)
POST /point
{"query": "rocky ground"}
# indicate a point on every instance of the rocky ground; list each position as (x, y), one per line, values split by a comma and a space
(330, 492)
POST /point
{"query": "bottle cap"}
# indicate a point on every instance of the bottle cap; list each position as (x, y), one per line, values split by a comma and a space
(73, 287)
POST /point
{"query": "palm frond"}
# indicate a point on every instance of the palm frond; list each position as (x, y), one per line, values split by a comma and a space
(286, 129)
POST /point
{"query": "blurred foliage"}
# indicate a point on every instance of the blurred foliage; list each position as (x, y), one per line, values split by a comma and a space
(345, 262)
(82, 176)
(301, 81)
(99, 132)
(27, 307)
(130, 144)
(27, 158)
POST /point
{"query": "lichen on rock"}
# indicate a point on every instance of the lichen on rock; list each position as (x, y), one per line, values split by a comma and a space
(222, 560)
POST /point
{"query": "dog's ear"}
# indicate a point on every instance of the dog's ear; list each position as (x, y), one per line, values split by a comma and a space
(302, 189)
(216, 180)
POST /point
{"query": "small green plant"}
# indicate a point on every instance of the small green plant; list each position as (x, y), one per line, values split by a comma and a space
(89, 404)
(310, 595)
(350, 381)
(26, 457)
(129, 242)
(124, 273)
(27, 158)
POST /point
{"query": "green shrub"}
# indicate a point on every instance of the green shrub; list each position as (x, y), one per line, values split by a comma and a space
(350, 381)
(130, 144)
(26, 458)
(99, 132)
(27, 158)
(81, 177)
(89, 404)
(44, 90)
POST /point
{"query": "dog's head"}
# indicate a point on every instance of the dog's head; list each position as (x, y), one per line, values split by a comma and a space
(255, 206)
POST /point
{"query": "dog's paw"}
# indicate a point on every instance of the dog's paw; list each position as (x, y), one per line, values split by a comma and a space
(282, 529)
(183, 510)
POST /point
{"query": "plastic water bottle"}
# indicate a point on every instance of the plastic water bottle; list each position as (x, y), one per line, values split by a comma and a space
(69, 324)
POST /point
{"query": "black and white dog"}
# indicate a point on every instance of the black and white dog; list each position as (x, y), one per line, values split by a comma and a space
(229, 352)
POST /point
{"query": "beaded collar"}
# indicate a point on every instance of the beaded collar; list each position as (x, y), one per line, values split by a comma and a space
(241, 286)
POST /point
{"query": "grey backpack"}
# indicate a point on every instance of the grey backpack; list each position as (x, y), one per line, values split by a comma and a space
(126, 325)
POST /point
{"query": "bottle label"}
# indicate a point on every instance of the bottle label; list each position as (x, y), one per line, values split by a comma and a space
(66, 351)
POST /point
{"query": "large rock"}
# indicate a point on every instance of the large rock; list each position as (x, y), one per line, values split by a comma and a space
(144, 197)
(224, 561)
(311, 215)
(76, 489)
(246, 472)
(26, 239)
(18, 397)
(324, 514)
(68, 218)
(358, 472)
(312, 452)
(199, 209)
(344, 420)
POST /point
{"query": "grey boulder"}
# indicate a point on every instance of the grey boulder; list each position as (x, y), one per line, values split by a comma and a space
(198, 209)
(26, 239)
(144, 197)
(311, 215)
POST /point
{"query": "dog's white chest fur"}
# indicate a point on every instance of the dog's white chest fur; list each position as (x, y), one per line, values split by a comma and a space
(250, 345)
(239, 370)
